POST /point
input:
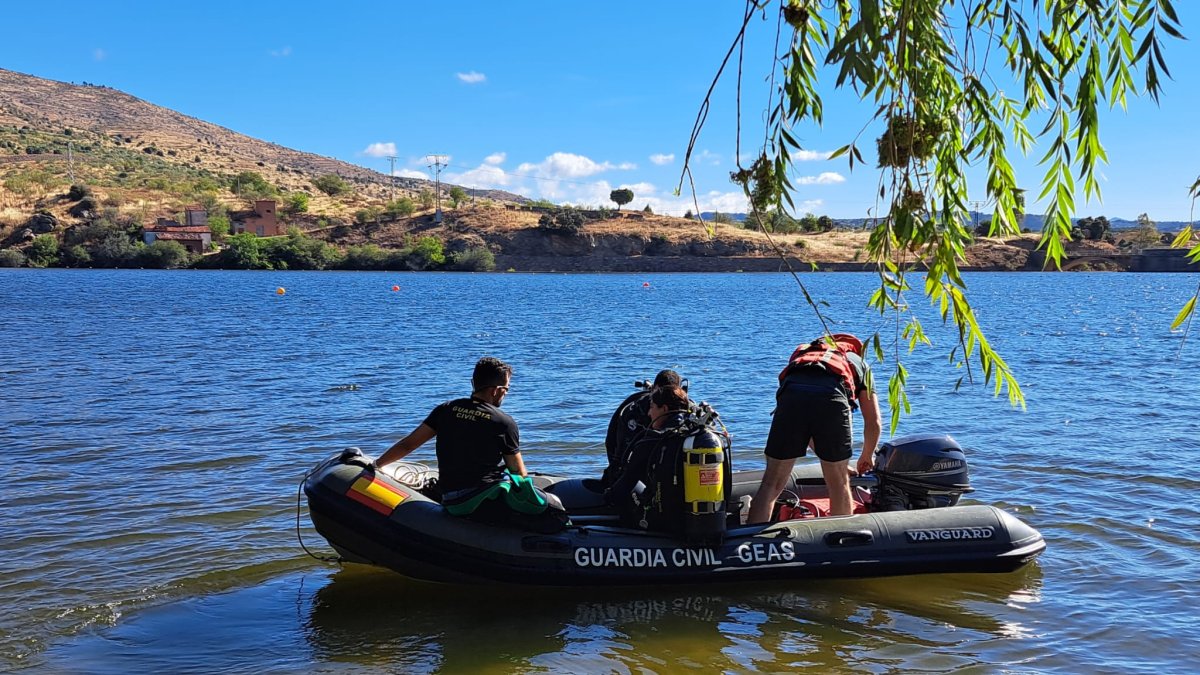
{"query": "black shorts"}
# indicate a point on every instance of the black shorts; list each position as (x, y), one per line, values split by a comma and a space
(811, 408)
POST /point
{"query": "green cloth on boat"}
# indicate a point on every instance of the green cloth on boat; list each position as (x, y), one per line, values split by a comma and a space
(518, 493)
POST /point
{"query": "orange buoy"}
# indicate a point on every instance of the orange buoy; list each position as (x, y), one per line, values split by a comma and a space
(395, 288)
(280, 291)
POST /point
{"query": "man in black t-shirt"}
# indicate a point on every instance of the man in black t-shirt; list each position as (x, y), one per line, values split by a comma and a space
(476, 442)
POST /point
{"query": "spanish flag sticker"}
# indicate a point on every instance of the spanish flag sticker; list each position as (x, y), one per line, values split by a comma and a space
(376, 494)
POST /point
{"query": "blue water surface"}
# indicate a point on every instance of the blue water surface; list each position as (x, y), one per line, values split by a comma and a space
(157, 423)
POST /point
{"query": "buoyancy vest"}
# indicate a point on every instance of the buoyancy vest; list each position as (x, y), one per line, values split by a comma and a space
(821, 354)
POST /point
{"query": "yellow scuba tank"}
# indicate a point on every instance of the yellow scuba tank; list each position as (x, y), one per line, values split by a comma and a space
(704, 488)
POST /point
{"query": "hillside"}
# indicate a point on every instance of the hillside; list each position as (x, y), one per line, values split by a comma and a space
(121, 142)
(84, 168)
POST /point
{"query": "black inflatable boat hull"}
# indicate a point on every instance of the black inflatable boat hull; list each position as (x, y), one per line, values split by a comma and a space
(370, 518)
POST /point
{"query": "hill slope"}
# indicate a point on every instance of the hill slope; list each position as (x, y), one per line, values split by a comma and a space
(101, 117)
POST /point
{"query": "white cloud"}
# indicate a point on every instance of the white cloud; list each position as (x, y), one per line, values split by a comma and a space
(380, 150)
(565, 165)
(99, 54)
(495, 158)
(661, 159)
(486, 175)
(281, 53)
(810, 155)
(410, 173)
(471, 77)
(826, 178)
(709, 158)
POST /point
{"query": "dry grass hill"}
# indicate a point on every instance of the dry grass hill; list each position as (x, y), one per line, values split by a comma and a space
(140, 161)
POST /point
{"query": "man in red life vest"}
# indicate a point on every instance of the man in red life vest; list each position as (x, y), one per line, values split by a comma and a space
(824, 381)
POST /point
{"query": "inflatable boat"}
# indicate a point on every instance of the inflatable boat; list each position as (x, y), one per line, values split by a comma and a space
(388, 517)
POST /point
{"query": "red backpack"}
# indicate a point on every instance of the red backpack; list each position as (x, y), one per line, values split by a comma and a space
(832, 360)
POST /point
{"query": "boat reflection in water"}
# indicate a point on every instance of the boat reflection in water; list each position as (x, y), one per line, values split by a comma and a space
(370, 617)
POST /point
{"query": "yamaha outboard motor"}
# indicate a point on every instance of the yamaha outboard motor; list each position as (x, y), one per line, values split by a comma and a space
(919, 472)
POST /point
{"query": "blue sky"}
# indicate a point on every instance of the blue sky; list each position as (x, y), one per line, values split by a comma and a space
(564, 101)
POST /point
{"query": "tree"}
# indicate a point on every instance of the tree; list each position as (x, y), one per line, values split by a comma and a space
(621, 196)
(219, 225)
(296, 202)
(563, 220)
(425, 198)
(922, 69)
(647, 209)
(426, 253)
(43, 252)
(332, 185)
(164, 255)
(1145, 234)
(457, 195)
(400, 207)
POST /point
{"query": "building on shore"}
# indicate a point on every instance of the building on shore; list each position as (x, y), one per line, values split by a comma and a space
(194, 233)
(262, 221)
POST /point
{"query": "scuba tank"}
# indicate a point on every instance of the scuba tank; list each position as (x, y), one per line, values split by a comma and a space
(689, 477)
(704, 475)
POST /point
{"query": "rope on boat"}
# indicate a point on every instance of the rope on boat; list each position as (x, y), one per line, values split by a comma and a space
(322, 558)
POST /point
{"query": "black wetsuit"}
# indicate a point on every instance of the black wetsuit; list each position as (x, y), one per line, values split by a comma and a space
(814, 404)
(628, 421)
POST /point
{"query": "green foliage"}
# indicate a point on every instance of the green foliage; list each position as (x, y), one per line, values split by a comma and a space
(115, 249)
(296, 202)
(164, 255)
(367, 215)
(542, 204)
(474, 259)
(923, 68)
(242, 252)
(219, 224)
(251, 185)
(425, 198)
(647, 209)
(367, 257)
(400, 207)
(1145, 235)
(11, 258)
(562, 220)
(332, 185)
(425, 254)
(298, 252)
(43, 251)
(621, 196)
(75, 256)
(457, 195)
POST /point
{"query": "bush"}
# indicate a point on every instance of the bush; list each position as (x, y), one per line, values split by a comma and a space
(365, 257)
(426, 254)
(11, 258)
(564, 220)
(77, 192)
(164, 255)
(114, 250)
(475, 259)
(298, 252)
(332, 185)
(401, 207)
(296, 202)
(43, 252)
(75, 256)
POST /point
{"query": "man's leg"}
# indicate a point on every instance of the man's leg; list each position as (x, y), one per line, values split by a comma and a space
(837, 479)
(775, 478)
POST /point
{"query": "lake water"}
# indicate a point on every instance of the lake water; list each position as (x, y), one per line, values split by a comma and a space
(156, 426)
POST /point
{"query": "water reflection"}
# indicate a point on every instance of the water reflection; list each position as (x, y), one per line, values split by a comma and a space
(367, 617)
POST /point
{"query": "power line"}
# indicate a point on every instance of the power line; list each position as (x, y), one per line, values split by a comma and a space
(437, 163)
(392, 175)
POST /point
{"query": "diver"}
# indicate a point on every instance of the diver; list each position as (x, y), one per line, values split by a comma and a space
(677, 472)
(631, 419)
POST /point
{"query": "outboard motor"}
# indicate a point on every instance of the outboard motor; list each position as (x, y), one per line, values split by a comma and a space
(919, 472)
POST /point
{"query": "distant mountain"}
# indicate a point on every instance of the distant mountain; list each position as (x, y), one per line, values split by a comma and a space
(1032, 221)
